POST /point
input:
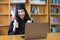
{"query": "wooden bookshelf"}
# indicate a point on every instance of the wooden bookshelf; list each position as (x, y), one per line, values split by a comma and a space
(55, 23)
(57, 15)
(55, 4)
(4, 16)
(38, 15)
(43, 15)
(4, 0)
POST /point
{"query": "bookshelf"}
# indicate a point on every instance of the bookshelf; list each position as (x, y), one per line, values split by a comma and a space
(4, 16)
(42, 15)
(55, 7)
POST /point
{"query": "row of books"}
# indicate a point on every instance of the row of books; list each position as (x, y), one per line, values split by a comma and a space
(54, 1)
(53, 19)
(31, 1)
(35, 10)
(54, 10)
(18, 1)
(54, 28)
(37, 1)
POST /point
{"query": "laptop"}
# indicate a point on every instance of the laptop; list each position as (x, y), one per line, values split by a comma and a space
(36, 30)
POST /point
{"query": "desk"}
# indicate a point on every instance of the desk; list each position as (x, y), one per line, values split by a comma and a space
(50, 36)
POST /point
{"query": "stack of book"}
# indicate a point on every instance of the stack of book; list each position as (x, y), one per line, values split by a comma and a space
(35, 10)
(18, 1)
(54, 28)
(54, 10)
(37, 1)
(54, 1)
(53, 20)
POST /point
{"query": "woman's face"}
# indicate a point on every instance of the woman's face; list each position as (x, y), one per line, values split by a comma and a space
(21, 13)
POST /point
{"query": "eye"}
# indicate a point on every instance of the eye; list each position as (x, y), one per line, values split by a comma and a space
(22, 11)
(18, 11)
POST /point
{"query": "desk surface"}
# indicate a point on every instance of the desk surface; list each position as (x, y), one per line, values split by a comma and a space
(50, 36)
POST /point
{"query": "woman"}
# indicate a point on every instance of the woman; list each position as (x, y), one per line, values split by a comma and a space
(22, 17)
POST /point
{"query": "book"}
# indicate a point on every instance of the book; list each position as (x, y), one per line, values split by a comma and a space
(55, 20)
(35, 10)
(54, 28)
(54, 1)
(51, 20)
(37, 1)
(18, 1)
(54, 10)
(34, 1)
(51, 1)
(42, 1)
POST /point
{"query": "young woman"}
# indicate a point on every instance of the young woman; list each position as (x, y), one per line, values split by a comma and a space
(22, 17)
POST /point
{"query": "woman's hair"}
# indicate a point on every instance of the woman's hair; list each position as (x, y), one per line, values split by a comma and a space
(20, 6)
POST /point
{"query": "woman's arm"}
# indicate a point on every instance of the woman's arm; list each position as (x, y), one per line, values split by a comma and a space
(12, 28)
(10, 31)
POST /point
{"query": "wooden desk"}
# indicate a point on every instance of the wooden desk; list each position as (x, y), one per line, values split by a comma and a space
(50, 36)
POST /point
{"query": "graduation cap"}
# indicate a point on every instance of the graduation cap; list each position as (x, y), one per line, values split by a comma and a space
(20, 6)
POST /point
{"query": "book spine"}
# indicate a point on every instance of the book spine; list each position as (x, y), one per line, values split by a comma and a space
(55, 20)
(18, 1)
(42, 1)
(55, 10)
(54, 29)
(51, 19)
(56, 1)
(53, 1)
(52, 9)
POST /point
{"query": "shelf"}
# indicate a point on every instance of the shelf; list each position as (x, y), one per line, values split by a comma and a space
(55, 14)
(4, 2)
(40, 4)
(1, 14)
(38, 14)
(17, 1)
(55, 23)
(55, 4)
(4, 25)
(13, 3)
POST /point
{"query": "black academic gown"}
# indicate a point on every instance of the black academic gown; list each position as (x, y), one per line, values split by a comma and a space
(19, 30)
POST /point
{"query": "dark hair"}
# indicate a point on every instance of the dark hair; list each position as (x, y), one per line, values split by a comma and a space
(20, 6)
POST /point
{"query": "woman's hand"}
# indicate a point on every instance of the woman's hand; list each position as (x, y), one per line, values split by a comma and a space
(29, 21)
(15, 25)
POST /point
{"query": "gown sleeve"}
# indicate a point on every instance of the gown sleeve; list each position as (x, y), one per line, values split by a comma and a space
(10, 30)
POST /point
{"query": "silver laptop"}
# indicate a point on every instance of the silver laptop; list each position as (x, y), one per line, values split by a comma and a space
(36, 30)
